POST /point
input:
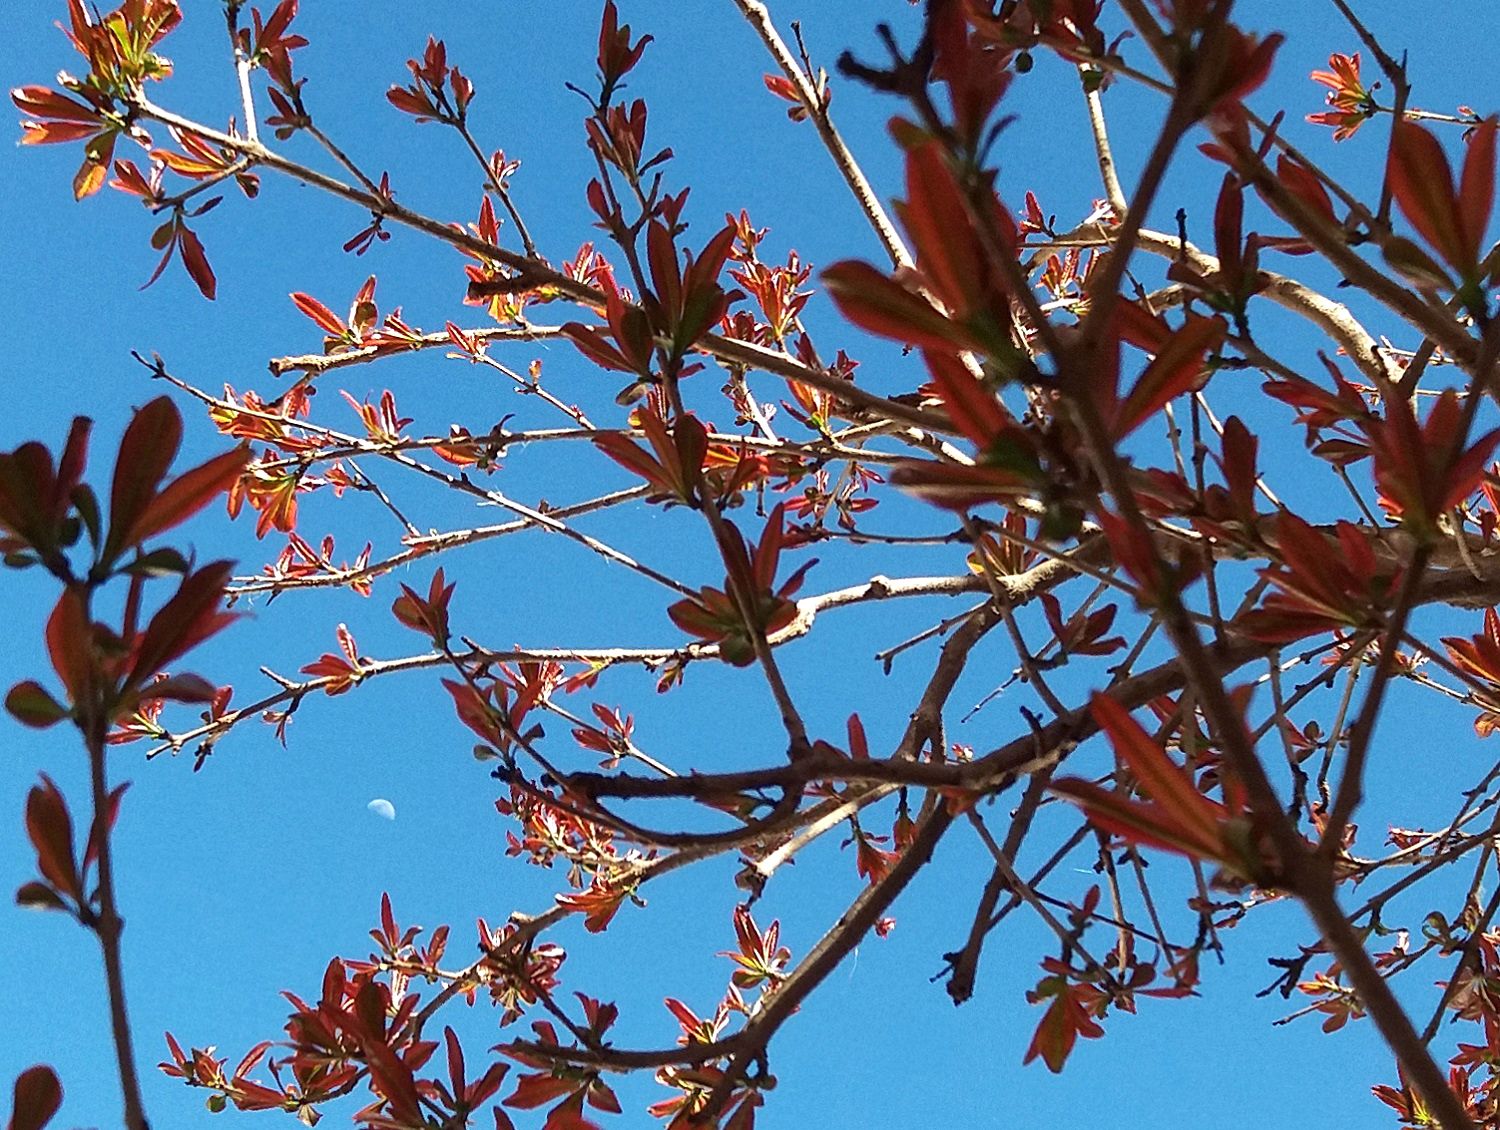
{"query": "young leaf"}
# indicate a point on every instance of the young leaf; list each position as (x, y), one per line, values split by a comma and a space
(38, 1094)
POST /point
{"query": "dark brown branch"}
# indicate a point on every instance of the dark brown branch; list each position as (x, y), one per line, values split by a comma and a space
(108, 926)
(827, 955)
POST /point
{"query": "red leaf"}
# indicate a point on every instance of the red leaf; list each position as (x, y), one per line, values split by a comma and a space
(393, 1080)
(1421, 181)
(186, 620)
(1177, 367)
(428, 615)
(599, 904)
(50, 829)
(1166, 782)
(665, 276)
(1302, 183)
(55, 133)
(782, 87)
(70, 645)
(1238, 465)
(278, 22)
(1142, 329)
(326, 319)
(1229, 214)
(956, 487)
(26, 478)
(1139, 823)
(252, 1059)
(39, 896)
(537, 1090)
(768, 551)
(70, 466)
(196, 262)
(874, 302)
(1476, 189)
(972, 407)
(187, 166)
(1134, 550)
(1063, 1022)
(859, 746)
(187, 494)
(596, 347)
(147, 449)
(41, 102)
(678, 465)
(937, 219)
(486, 1085)
(456, 1076)
(98, 831)
(1178, 817)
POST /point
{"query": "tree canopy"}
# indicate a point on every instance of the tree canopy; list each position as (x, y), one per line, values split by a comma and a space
(1076, 548)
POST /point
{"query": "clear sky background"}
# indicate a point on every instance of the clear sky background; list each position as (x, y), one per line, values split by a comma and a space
(244, 879)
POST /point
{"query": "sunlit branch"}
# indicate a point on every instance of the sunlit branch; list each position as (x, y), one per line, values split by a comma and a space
(759, 18)
(322, 362)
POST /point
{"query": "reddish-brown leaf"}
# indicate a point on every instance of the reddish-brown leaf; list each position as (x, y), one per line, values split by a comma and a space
(50, 829)
(1169, 786)
(1302, 183)
(100, 830)
(393, 1080)
(972, 407)
(196, 261)
(666, 277)
(147, 449)
(185, 495)
(1133, 820)
(38, 1094)
(936, 217)
(37, 895)
(1476, 188)
(70, 639)
(956, 487)
(45, 103)
(1063, 1022)
(194, 613)
(1421, 181)
(596, 347)
(326, 319)
(1177, 367)
(31, 705)
(877, 303)
(1229, 214)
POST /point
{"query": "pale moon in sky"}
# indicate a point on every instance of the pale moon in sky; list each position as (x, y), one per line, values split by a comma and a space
(381, 807)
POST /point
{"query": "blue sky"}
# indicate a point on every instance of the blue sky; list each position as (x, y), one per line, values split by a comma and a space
(244, 879)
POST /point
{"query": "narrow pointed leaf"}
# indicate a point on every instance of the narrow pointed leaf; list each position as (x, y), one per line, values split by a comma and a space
(877, 303)
(1476, 190)
(1166, 783)
(1174, 370)
(187, 494)
(1421, 181)
(147, 449)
